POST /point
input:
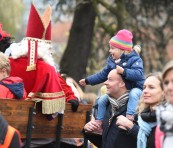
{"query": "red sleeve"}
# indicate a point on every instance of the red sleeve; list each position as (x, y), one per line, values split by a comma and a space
(24, 94)
(67, 89)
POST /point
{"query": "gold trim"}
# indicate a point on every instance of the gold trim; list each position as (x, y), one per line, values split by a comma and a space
(31, 67)
(32, 53)
(53, 106)
(45, 95)
(46, 17)
(38, 40)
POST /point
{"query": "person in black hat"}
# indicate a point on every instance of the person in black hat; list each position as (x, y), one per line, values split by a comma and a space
(5, 39)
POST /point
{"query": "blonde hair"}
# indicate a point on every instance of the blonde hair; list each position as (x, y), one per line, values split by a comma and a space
(167, 67)
(137, 48)
(142, 105)
(120, 50)
(80, 91)
(4, 63)
(103, 90)
(89, 97)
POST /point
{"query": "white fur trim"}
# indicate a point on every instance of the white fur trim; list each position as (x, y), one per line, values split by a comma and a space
(21, 49)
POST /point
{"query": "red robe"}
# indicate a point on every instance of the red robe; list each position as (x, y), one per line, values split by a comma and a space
(43, 84)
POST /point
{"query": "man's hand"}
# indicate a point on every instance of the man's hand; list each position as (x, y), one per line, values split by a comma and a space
(74, 105)
(91, 126)
(82, 82)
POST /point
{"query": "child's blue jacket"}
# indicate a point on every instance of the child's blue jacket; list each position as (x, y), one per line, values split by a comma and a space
(133, 71)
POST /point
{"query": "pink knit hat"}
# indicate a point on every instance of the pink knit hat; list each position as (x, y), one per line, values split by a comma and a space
(122, 40)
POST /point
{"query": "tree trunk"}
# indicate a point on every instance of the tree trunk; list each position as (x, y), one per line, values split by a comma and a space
(75, 58)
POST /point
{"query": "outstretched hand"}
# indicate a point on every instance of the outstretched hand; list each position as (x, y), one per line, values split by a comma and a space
(82, 82)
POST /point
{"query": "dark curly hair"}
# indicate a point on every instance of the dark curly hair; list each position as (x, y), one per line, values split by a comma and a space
(5, 43)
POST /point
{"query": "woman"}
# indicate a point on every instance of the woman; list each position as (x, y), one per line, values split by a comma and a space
(165, 111)
(145, 125)
(11, 87)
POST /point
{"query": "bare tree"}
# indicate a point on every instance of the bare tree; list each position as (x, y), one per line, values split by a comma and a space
(150, 22)
(75, 58)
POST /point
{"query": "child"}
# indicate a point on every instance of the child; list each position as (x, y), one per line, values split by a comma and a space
(129, 64)
(11, 87)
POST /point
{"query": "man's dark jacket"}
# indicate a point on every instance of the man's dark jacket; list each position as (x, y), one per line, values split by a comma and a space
(113, 137)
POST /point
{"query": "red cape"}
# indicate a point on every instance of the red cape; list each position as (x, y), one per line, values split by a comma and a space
(43, 84)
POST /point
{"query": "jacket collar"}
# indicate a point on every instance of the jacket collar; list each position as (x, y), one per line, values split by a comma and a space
(127, 56)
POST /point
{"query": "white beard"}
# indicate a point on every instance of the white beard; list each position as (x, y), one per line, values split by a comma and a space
(20, 49)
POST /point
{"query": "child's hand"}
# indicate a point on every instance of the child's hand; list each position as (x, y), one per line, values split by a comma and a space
(119, 69)
(82, 82)
(130, 117)
(124, 122)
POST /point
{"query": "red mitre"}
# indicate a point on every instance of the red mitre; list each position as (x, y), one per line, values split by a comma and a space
(38, 30)
(39, 27)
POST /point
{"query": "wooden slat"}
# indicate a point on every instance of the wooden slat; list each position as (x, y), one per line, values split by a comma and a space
(16, 113)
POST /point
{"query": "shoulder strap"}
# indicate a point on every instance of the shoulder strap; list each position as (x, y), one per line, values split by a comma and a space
(8, 138)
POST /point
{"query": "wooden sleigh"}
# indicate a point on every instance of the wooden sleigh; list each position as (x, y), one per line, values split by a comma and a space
(26, 116)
